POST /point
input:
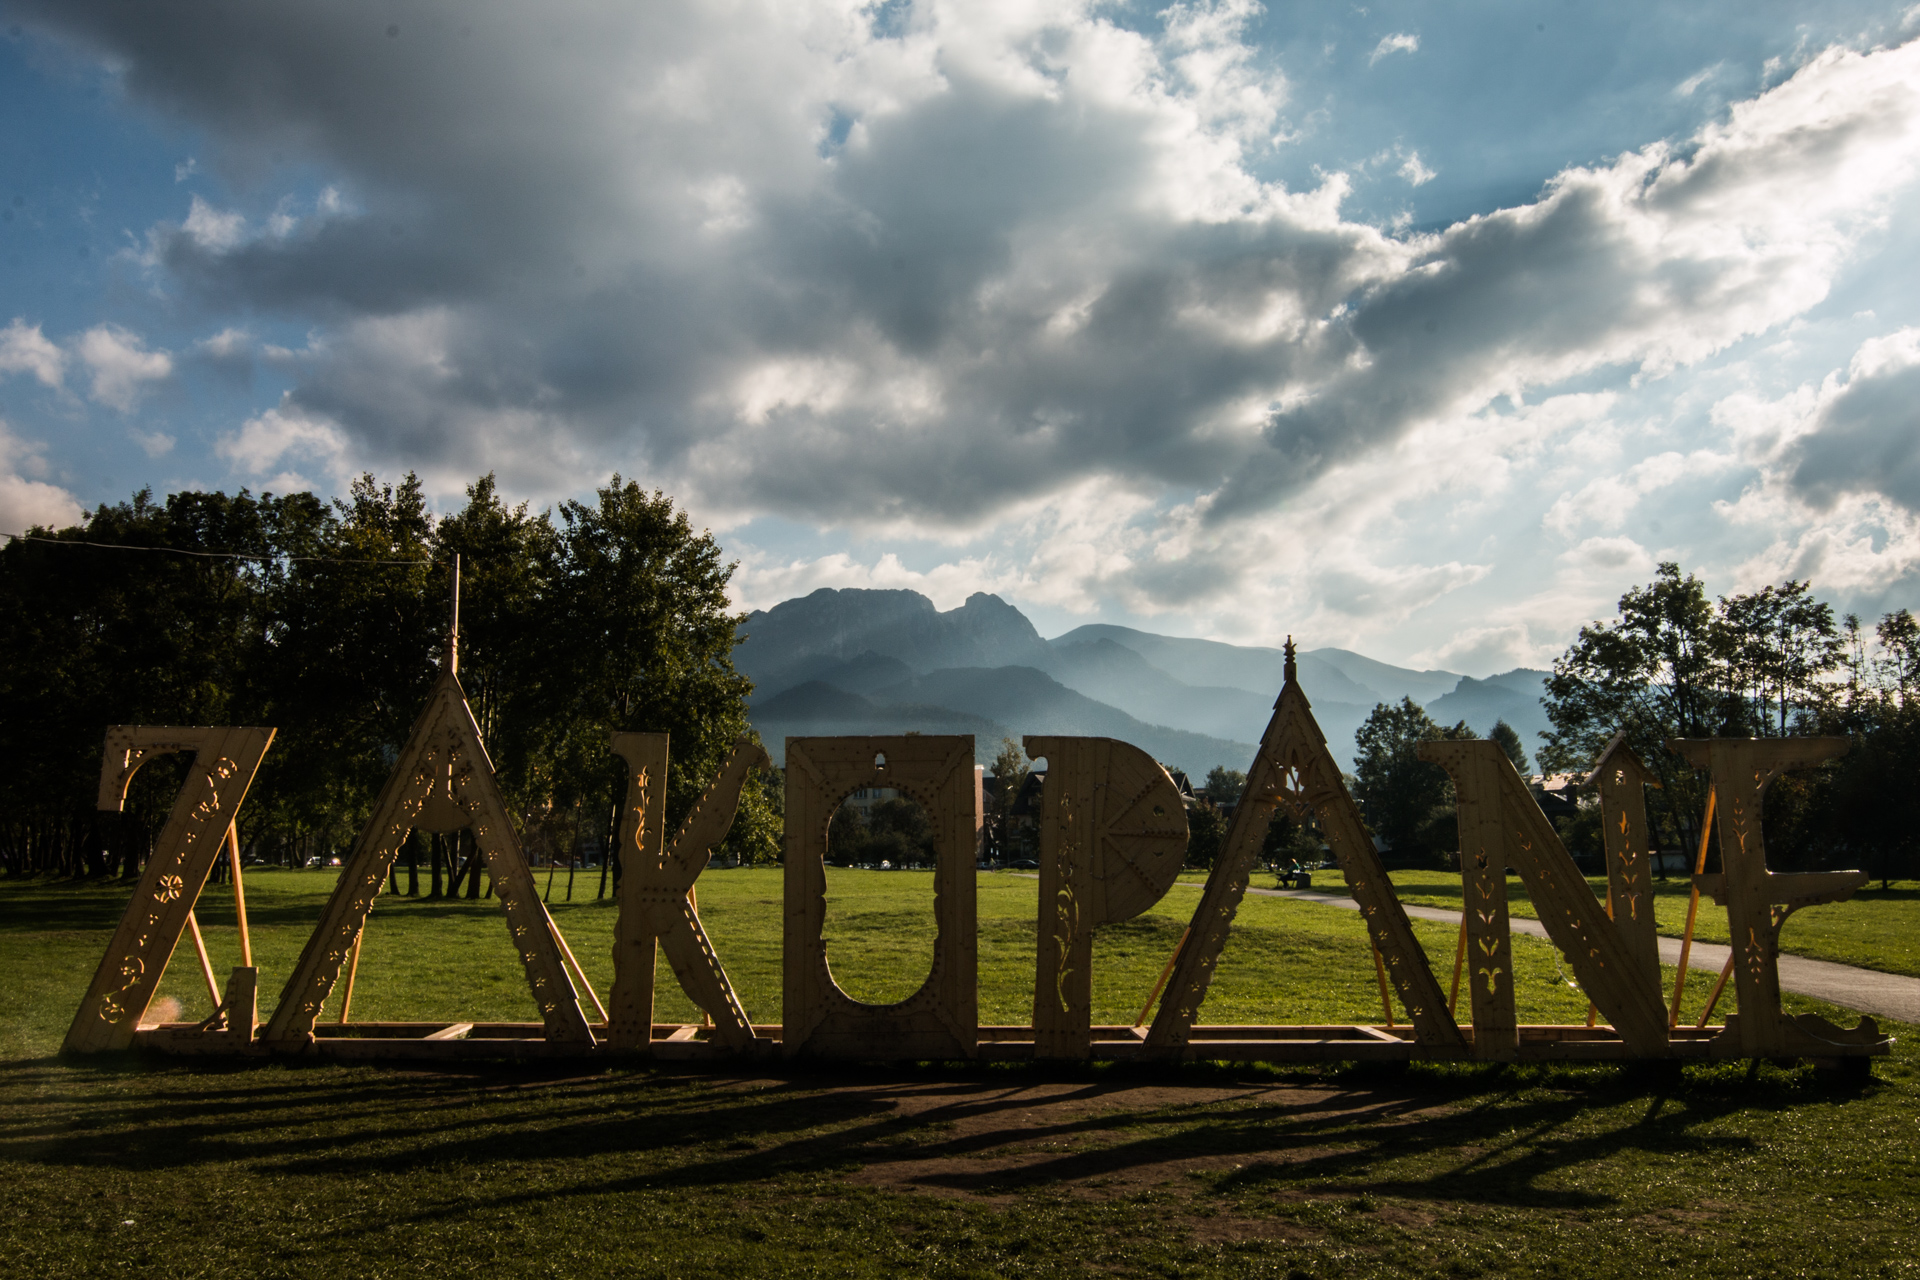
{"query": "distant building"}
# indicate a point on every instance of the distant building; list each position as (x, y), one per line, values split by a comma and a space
(1557, 794)
(865, 799)
(1022, 838)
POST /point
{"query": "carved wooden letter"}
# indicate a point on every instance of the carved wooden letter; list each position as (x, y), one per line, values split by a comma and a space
(656, 883)
(1623, 781)
(1501, 827)
(1113, 834)
(940, 1020)
(1742, 769)
(224, 762)
(1483, 892)
(1294, 768)
(443, 781)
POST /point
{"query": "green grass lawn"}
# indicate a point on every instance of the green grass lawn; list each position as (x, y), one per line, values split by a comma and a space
(129, 1165)
(1875, 929)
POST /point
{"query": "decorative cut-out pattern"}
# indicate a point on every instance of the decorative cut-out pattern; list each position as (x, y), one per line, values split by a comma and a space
(1294, 767)
(224, 762)
(1112, 838)
(443, 782)
(656, 893)
(819, 1019)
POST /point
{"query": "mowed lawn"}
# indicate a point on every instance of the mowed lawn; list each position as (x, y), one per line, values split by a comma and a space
(142, 1166)
(1875, 929)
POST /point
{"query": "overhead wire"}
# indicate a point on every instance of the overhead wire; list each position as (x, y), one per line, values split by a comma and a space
(204, 555)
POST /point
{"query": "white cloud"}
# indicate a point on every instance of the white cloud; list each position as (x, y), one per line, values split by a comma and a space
(1686, 88)
(1414, 171)
(1836, 488)
(213, 229)
(25, 349)
(1501, 647)
(156, 444)
(285, 434)
(1400, 42)
(121, 364)
(1609, 501)
(1863, 435)
(1004, 277)
(229, 344)
(26, 502)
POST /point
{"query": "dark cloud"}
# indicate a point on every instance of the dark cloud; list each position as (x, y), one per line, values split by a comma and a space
(1866, 437)
(790, 264)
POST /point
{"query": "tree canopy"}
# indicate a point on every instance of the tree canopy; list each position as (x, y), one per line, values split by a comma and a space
(1407, 802)
(1767, 663)
(328, 620)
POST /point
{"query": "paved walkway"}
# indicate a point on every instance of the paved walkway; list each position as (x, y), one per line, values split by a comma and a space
(1887, 995)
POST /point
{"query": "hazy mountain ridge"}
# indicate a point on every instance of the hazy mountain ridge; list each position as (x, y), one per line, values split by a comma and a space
(871, 661)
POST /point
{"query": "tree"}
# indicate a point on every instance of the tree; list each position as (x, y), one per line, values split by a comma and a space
(846, 836)
(643, 640)
(899, 831)
(92, 635)
(1225, 785)
(1899, 664)
(1654, 671)
(328, 620)
(1776, 643)
(1509, 740)
(1762, 663)
(1206, 834)
(759, 830)
(1009, 772)
(1407, 801)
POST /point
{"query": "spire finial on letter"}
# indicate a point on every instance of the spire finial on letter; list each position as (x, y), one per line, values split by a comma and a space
(1290, 671)
(453, 620)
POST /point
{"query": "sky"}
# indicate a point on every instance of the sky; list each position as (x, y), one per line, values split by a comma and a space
(1418, 330)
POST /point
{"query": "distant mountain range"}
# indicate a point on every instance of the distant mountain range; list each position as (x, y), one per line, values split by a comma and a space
(879, 662)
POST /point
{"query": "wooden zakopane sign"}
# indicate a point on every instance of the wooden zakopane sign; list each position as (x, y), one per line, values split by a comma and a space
(1622, 781)
(1113, 835)
(1758, 901)
(1501, 827)
(1295, 770)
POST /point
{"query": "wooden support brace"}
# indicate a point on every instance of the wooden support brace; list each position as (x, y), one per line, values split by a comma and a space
(1459, 954)
(1693, 909)
(1726, 971)
(1164, 975)
(578, 972)
(206, 965)
(353, 971)
(1380, 972)
(239, 895)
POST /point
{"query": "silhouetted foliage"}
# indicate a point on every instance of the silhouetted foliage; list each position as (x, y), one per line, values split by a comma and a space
(1767, 663)
(1509, 739)
(614, 618)
(1406, 801)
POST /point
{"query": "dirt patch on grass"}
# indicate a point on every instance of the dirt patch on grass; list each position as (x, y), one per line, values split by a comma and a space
(1097, 1141)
